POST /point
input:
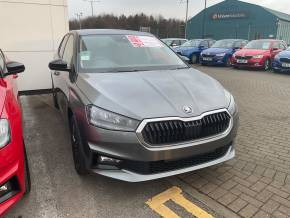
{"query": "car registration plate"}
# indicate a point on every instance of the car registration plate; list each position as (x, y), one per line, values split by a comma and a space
(286, 65)
(207, 59)
(241, 61)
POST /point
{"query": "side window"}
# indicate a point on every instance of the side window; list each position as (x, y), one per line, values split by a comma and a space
(2, 62)
(238, 44)
(211, 42)
(69, 50)
(276, 45)
(244, 43)
(204, 43)
(62, 46)
(175, 42)
(282, 46)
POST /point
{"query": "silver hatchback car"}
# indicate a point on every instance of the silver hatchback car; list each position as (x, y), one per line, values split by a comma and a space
(136, 110)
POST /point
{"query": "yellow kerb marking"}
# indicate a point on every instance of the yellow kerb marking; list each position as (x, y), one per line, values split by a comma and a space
(175, 194)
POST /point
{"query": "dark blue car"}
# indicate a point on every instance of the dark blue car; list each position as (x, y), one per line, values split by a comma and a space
(281, 62)
(192, 49)
(221, 52)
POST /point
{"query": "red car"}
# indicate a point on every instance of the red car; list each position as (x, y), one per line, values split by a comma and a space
(258, 53)
(14, 173)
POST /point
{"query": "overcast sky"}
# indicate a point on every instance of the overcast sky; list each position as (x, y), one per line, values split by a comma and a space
(167, 8)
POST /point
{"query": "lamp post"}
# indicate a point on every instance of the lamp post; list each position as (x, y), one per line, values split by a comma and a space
(92, 2)
(186, 19)
(186, 16)
(79, 16)
(203, 19)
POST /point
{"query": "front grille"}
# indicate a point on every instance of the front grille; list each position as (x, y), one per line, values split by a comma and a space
(166, 166)
(177, 131)
(285, 60)
(208, 55)
(244, 57)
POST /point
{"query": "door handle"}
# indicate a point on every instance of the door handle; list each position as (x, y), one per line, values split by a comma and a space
(56, 73)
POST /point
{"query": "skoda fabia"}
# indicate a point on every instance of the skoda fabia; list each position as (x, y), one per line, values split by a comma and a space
(136, 110)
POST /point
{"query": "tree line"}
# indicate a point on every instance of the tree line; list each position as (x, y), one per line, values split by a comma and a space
(159, 26)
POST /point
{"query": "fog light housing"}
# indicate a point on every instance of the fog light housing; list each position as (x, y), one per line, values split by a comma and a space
(5, 189)
(9, 189)
(108, 161)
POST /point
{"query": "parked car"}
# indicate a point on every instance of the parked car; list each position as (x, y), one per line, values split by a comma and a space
(14, 173)
(221, 52)
(174, 42)
(258, 53)
(281, 62)
(140, 116)
(192, 48)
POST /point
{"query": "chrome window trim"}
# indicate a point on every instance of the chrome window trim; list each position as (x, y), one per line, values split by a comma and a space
(187, 143)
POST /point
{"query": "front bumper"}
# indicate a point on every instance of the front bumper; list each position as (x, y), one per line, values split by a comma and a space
(130, 176)
(215, 61)
(12, 171)
(277, 66)
(252, 63)
(127, 147)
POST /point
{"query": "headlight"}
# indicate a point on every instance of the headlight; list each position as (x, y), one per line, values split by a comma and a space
(4, 132)
(232, 107)
(108, 120)
(258, 56)
(277, 57)
(221, 54)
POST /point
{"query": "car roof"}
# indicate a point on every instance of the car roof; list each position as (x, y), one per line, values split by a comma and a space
(234, 39)
(269, 40)
(84, 32)
(173, 39)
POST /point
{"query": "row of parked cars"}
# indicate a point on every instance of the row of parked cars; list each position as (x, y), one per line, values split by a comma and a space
(263, 54)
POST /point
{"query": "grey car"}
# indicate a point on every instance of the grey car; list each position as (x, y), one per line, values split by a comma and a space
(136, 110)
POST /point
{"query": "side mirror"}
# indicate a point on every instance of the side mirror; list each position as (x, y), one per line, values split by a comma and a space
(185, 59)
(59, 65)
(14, 68)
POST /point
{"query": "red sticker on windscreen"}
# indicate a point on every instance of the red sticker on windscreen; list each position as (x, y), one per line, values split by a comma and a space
(144, 41)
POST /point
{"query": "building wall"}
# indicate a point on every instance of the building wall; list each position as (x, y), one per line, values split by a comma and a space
(249, 22)
(284, 31)
(30, 33)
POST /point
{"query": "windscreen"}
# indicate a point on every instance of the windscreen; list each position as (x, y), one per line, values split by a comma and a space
(122, 53)
(191, 43)
(224, 44)
(260, 45)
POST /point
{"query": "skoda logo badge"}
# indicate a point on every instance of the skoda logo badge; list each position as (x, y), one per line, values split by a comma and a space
(187, 109)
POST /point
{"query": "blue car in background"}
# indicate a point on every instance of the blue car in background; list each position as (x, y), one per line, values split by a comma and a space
(221, 52)
(192, 49)
(281, 62)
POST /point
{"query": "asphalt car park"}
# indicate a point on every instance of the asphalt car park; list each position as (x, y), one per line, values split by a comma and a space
(254, 184)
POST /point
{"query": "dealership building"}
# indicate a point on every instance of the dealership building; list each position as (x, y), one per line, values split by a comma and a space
(237, 19)
(31, 31)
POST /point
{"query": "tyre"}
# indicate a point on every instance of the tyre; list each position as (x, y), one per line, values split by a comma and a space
(76, 141)
(193, 59)
(228, 62)
(27, 174)
(267, 65)
(54, 99)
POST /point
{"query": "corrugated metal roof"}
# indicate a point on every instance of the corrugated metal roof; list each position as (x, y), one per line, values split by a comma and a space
(278, 14)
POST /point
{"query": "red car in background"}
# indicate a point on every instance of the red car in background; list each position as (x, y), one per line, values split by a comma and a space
(14, 172)
(258, 53)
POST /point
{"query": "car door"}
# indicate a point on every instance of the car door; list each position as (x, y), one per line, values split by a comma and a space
(62, 79)
(203, 45)
(275, 49)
